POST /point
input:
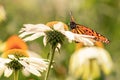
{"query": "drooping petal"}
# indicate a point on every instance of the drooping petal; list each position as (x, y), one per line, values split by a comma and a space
(38, 61)
(69, 35)
(33, 70)
(2, 68)
(95, 69)
(8, 72)
(25, 72)
(93, 58)
(29, 67)
(58, 45)
(85, 39)
(45, 40)
(37, 67)
(34, 65)
(24, 61)
(105, 61)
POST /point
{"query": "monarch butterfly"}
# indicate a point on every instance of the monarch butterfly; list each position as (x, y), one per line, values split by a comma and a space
(80, 29)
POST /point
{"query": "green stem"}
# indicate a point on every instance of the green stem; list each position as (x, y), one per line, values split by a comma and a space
(50, 63)
(16, 72)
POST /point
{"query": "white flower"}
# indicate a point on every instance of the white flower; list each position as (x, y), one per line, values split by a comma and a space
(29, 65)
(31, 32)
(3, 68)
(88, 62)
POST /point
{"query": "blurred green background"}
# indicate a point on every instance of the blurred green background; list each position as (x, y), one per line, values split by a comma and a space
(102, 16)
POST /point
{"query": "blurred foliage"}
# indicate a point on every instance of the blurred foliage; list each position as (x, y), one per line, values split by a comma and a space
(100, 15)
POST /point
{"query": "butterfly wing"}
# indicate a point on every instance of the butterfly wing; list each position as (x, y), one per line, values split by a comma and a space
(80, 29)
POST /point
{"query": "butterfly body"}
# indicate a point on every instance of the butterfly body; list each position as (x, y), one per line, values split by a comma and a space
(80, 29)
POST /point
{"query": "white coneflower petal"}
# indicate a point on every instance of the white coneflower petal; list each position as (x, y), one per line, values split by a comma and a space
(58, 45)
(99, 58)
(34, 36)
(28, 65)
(86, 39)
(45, 40)
(59, 26)
(36, 28)
(8, 72)
(25, 72)
(12, 57)
(30, 68)
(38, 61)
(24, 61)
(2, 68)
(33, 70)
(69, 35)
(34, 65)
(25, 33)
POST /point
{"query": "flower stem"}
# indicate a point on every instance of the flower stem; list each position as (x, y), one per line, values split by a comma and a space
(16, 72)
(50, 63)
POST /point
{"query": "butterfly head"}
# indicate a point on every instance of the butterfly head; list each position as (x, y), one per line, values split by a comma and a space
(72, 25)
(72, 21)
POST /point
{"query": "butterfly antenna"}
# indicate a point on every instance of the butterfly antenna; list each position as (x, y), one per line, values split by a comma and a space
(71, 17)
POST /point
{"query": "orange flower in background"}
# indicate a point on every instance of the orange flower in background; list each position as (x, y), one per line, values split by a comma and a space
(14, 42)
(15, 45)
